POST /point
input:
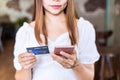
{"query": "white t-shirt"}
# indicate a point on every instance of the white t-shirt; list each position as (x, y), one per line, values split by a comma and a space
(48, 69)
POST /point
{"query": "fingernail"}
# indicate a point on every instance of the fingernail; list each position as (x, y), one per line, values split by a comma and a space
(32, 53)
(61, 52)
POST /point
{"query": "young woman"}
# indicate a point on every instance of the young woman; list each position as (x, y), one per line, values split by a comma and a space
(55, 24)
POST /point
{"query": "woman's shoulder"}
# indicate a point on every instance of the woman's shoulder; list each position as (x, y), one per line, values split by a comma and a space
(26, 27)
(32, 24)
(84, 24)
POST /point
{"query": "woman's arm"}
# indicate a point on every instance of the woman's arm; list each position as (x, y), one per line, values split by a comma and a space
(27, 61)
(23, 74)
(84, 71)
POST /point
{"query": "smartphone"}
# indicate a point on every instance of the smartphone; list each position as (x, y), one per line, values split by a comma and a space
(67, 49)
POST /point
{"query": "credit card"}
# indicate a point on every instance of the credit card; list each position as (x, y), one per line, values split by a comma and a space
(38, 50)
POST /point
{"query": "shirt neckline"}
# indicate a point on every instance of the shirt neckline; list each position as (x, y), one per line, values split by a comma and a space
(61, 37)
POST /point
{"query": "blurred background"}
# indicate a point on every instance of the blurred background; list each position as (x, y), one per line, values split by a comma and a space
(103, 14)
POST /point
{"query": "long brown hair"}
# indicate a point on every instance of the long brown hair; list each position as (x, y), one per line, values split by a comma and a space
(38, 17)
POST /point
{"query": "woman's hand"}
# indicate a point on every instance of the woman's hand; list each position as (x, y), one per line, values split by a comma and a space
(27, 60)
(66, 60)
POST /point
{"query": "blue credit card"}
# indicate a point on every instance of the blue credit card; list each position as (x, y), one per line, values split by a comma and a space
(38, 50)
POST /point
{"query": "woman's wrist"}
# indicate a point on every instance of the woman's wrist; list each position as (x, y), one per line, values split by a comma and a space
(27, 69)
(76, 64)
(78, 67)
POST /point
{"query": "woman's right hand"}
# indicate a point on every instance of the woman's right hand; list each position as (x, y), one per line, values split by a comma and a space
(27, 60)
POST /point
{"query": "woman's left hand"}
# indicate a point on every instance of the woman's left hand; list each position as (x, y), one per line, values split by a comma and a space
(66, 60)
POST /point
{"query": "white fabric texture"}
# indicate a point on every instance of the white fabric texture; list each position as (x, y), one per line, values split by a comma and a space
(48, 69)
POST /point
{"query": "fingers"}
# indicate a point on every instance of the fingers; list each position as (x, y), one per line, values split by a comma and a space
(27, 60)
(66, 60)
(67, 55)
(30, 65)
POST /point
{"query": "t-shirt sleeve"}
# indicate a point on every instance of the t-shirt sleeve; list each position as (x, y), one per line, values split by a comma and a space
(87, 50)
(19, 46)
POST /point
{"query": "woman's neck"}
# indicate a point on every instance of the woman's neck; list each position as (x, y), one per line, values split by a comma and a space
(55, 18)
